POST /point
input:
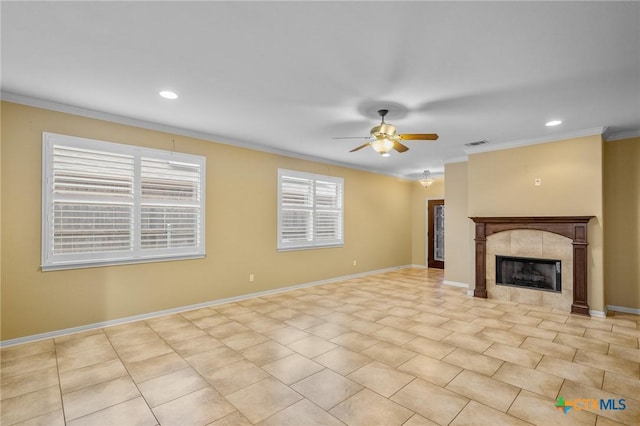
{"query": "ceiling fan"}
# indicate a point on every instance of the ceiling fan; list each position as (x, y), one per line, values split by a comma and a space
(384, 137)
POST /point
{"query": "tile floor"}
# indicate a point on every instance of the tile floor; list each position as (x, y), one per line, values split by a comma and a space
(398, 348)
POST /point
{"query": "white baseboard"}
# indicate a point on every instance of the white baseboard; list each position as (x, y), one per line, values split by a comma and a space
(623, 309)
(455, 284)
(119, 321)
(470, 293)
(598, 314)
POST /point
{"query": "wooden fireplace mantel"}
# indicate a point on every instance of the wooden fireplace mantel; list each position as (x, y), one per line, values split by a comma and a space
(573, 227)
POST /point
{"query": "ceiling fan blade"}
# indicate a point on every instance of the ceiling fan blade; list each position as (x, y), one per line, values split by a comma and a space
(353, 137)
(399, 147)
(360, 147)
(419, 136)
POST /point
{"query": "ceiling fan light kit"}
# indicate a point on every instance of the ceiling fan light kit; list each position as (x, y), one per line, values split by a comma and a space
(384, 137)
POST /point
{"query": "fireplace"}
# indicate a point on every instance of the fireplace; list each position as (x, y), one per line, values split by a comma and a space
(527, 272)
(572, 227)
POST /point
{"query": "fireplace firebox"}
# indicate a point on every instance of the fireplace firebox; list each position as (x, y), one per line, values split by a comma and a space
(540, 274)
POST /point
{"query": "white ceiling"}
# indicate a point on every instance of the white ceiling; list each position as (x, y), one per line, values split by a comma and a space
(289, 76)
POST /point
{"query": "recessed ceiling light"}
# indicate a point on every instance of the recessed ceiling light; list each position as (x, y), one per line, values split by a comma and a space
(553, 123)
(167, 94)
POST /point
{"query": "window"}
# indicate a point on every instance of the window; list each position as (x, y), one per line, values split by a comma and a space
(310, 210)
(106, 203)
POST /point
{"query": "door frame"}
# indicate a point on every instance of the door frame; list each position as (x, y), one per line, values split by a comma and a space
(429, 232)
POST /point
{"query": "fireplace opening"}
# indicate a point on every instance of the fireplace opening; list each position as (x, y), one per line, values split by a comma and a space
(540, 274)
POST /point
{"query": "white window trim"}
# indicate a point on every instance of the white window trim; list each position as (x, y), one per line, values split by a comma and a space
(314, 244)
(52, 262)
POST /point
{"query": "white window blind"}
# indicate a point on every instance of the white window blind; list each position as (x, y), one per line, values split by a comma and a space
(310, 210)
(106, 203)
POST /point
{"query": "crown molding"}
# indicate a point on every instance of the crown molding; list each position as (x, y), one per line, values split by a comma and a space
(119, 119)
(461, 159)
(536, 141)
(622, 135)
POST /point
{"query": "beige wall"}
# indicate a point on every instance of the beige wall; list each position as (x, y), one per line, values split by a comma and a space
(501, 183)
(622, 222)
(457, 226)
(241, 231)
(419, 198)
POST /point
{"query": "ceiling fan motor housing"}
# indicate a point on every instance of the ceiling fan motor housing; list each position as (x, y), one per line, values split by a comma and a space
(384, 130)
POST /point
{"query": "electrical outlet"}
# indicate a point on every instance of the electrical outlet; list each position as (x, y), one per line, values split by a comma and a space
(537, 182)
(251, 278)
(355, 263)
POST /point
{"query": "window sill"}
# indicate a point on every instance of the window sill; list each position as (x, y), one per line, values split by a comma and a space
(284, 249)
(99, 264)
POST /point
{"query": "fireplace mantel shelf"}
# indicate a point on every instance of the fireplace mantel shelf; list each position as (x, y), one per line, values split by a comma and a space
(573, 227)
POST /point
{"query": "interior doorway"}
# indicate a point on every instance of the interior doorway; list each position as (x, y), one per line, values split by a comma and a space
(435, 230)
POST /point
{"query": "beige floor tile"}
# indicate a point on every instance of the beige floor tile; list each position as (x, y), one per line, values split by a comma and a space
(304, 321)
(364, 326)
(626, 330)
(127, 328)
(494, 323)
(144, 351)
(578, 342)
(389, 353)
(243, 340)
(97, 397)
(545, 347)
(212, 359)
(521, 319)
(355, 341)
(607, 363)
(380, 378)
(431, 401)
(170, 386)
(418, 420)
(263, 399)
(570, 370)
(326, 388)
(532, 380)
(393, 335)
(286, 335)
(30, 405)
(501, 336)
(430, 369)
(73, 380)
(429, 318)
(476, 414)
(27, 364)
(227, 329)
(85, 358)
(432, 348)
(233, 419)
(197, 313)
(197, 408)
(236, 376)
(624, 352)
(467, 341)
(210, 321)
(133, 336)
(618, 339)
(473, 361)
(485, 312)
(542, 411)
(527, 330)
(400, 323)
(342, 361)
(141, 371)
(265, 325)
(26, 349)
(134, 412)
(312, 346)
(590, 322)
(29, 382)
(327, 330)
(197, 345)
(486, 390)
(181, 333)
(629, 416)
(461, 327)
(368, 408)
(621, 385)
(430, 331)
(548, 316)
(53, 418)
(266, 352)
(292, 368)
(95, 341)
(167, 322)
(302, 412)
(518, 356)
(370, 314)
(603, 421)
(562, 328)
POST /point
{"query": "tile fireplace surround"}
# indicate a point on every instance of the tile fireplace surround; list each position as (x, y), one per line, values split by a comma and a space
(572, 227)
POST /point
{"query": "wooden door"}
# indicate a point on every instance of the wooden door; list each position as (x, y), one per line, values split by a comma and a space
(436, 233)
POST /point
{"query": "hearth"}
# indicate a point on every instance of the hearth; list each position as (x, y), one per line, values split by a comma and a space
(527, 272)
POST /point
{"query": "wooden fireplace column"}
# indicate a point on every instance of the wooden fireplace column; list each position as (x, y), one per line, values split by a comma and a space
(573, 227)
